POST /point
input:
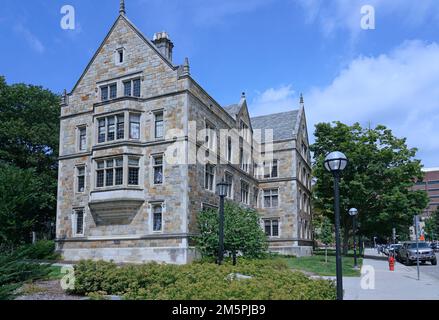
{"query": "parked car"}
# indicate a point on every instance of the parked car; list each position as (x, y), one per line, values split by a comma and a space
(394, 249)
(407, 253)
(435, 246)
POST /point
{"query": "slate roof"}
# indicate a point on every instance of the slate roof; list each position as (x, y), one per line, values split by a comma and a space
(233, 109)
(283, 124)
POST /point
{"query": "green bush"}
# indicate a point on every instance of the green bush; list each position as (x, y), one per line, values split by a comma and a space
(15, 267)
(271, 280)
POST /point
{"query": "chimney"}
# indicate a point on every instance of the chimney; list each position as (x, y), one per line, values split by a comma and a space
(164, 44)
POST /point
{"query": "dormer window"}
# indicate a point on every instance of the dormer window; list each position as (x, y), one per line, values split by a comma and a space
(120, 56)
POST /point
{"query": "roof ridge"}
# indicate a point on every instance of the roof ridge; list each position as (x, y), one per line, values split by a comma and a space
(277, 113)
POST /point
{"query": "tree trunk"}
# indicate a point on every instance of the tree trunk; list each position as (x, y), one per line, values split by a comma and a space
(346, 241)
(234, 258)
(326, 253)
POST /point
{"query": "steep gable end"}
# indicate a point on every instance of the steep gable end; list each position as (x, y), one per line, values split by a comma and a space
(138, 49)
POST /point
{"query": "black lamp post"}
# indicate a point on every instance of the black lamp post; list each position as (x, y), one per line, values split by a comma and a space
(353, 213)
(336, 162)
(222, 192)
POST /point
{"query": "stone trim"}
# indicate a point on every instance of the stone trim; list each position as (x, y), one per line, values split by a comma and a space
(122, 238)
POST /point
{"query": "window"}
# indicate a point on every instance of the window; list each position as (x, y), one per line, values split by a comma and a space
(133, 171)
(82, 138)
(111, 128)
(109, 91)
(131, 88)
(229, 180)
(120, 127)
(104, 93)
(118, 172)
(304, 150)
(244, 131)
(209, 177)
(271, 198)
(210, 137)
(229, 149)
(136, 88)
(109, 173)
(271, 227)
(100, 170)
(81, 178)
(113, 91)
(256, 196)
(244, 160)
(271, 169)
(135, 126)
(101, 131)
(157, 218)
(244, 192)
(120, 56)
(159, 134)
(127, 88)
(158, 169)
(78, 218)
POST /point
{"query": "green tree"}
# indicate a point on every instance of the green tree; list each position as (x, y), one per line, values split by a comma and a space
(377, 180)
(242, 232)
(325, 233)
(432, 226)
(29, 133)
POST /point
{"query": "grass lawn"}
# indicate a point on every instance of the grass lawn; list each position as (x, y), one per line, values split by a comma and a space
(316, 264)
(55, 273)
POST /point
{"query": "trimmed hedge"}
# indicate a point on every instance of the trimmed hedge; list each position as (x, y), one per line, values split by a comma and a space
(272, 280)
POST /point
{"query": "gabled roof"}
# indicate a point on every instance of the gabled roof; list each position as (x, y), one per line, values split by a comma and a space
(233, 109)
(283, 124)
(138, 32)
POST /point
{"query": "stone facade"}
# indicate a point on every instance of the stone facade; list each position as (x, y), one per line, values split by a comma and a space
(110, 205)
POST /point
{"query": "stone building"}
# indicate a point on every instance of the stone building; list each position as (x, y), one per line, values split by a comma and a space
(130, 179)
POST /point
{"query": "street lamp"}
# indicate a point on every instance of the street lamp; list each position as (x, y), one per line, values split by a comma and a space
(222, 192)
(336, 162)
(353, 213)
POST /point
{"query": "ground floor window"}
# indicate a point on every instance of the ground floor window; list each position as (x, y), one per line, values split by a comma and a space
(271, 227)
(157, 218)
(78, 222)
(244, 192)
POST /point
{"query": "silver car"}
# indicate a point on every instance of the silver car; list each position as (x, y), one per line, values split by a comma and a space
(407, 253)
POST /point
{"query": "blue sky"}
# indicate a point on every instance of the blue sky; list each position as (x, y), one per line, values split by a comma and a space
(271, 49)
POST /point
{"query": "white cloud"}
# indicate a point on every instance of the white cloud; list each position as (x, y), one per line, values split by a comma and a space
(399, 90)
(274, 100)
(345, 15)
(30, 38)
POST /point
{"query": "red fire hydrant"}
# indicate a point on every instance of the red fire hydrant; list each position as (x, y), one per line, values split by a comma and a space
(392, 263)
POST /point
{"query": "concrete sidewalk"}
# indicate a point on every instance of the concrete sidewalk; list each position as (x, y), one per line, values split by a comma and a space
(401, 284)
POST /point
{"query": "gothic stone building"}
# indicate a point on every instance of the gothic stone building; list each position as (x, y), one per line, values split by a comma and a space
(120, 199)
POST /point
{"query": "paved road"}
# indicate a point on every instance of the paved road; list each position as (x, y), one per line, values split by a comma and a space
(427, 268)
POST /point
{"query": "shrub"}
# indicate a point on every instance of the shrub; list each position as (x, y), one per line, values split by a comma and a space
(271, 279)
(15, 267)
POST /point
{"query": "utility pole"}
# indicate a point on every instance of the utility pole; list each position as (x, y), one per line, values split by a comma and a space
(416, 223)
